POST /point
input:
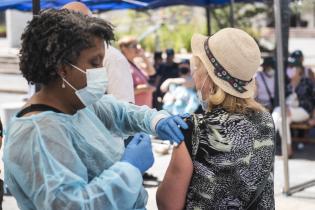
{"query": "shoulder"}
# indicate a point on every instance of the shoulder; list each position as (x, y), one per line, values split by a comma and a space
(115, 54)
(258, 75)
(25, 127)
(31, 133)
(261, 120)
(236, 128)
(162, 66)
(308, 81)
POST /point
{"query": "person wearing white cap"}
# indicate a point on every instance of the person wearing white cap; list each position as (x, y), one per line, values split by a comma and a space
(227, 158)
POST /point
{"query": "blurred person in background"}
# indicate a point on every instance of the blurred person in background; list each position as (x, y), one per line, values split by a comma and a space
(180, 94)
(120, 83)
(300, 99)
(226, 160)
(265, 84)
(143, 91)
(299, 57)
(158, 60)
(168, 69)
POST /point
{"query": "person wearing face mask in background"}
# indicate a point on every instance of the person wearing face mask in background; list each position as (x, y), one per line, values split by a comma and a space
(167, 69)
(180, 94)
(59, 151)
(300, 99)
(308, 72)
(132, 50)
(265, 84)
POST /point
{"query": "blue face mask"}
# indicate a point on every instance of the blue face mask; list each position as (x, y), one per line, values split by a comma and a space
(97, 82)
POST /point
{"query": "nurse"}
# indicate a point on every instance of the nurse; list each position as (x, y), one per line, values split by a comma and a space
(59, 152)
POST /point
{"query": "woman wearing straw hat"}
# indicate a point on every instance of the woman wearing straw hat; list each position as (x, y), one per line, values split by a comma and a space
(227, 159)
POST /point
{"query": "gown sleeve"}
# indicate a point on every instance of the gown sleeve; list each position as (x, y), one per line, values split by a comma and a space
(122, 117)
(47, 169)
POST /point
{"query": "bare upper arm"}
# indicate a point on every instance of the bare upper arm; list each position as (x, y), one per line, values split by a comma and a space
(171, 193)
(181, 160)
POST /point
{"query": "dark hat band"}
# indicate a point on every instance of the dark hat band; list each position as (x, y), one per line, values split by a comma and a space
(220, 72)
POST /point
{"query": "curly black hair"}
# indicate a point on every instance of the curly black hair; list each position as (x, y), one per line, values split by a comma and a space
(55, 37)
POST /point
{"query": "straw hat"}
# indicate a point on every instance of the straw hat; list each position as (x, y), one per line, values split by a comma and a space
(231, 57)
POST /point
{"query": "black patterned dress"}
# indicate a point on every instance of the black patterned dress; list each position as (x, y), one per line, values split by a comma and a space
(233, 155)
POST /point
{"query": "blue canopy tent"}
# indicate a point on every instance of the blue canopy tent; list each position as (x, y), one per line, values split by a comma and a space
(27, 5)
(104, 5)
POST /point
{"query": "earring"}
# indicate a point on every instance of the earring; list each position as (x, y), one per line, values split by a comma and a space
(63, 84)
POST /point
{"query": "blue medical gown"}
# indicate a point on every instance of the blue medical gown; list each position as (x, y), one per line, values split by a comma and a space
(59, 161)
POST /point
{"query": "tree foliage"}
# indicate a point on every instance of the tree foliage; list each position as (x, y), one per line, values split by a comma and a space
(179, 23)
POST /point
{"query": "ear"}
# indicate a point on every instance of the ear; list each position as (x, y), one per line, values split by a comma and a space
(218, 97)
(63, 70)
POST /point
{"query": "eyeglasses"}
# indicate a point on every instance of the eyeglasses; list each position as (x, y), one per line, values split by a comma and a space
(132, 46)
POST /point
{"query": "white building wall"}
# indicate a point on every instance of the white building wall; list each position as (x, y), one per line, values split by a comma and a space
(15, 23)
(307, 47)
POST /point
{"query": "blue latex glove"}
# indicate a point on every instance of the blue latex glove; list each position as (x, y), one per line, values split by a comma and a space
(169, 128)
(139, 152)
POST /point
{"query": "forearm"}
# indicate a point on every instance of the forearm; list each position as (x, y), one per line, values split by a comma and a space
(165, 85)
(142, 88)
(149, 69)
(126, 119)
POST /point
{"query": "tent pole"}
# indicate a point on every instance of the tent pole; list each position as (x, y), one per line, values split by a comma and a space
(232, 13)
(281, 83)
(36, 7)
(36, 10)
(281, 15)
(208, 17)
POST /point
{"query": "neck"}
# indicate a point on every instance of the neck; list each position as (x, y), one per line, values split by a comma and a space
(129, 58)
(55, 96)
(266, 74)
